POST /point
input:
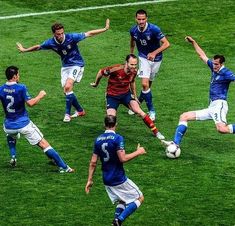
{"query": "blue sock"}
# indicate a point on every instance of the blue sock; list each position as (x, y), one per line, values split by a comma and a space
(233, 125)
(12, 146)
(130, 208)
(52, 154)
(119, 209)
(147, 97)
(75, 103)
(149, 102)
(68, 100)
(179, 133)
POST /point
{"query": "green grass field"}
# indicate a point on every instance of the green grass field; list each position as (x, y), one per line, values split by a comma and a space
(196, 189)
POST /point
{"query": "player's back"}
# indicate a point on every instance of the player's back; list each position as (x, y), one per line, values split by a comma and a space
(106, 147)
(13, 97)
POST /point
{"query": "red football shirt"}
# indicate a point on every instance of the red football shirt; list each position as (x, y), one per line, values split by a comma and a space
(118, 80)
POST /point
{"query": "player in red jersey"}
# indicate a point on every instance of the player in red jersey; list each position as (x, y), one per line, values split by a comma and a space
(121, 89)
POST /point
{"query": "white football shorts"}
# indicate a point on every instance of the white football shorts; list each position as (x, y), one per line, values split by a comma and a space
(148, 69)
(127, 192)
(30, 132)
(216, 111)
(73, 72)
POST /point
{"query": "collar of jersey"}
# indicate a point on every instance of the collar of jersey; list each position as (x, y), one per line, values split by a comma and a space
(221, 68)
(11, 83)
(144, 28)
(109, 131)
(59, 42)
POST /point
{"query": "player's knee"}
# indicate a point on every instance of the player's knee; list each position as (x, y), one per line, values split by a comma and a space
(145, 85)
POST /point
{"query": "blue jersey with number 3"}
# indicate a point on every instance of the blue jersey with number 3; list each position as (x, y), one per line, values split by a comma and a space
(13, 97)
(106, 147)
(68, 49)
(220, 82)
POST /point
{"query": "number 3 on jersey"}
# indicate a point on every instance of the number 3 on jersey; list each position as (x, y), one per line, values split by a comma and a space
(103, 146)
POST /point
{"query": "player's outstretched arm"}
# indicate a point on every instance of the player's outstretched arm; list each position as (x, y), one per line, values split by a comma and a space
(36, 99)
(30, 49)
(197, 48)
(97, 79)
(123, 157)
(98, 31)
(92, 168)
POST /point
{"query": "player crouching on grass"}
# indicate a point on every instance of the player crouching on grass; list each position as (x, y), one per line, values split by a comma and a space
(109, 148)
(13, 97)
(121, 87)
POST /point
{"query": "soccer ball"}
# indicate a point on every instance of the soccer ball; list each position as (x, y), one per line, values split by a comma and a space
(173, 151)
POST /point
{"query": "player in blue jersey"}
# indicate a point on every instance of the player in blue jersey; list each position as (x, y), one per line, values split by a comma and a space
(13, 97)
(150, 43)
(218, 107)
(109, 148)
(72, 69)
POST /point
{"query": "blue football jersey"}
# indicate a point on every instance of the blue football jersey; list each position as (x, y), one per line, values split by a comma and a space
(220, 82)
(13, 97)
(148, 40)
(106, 147)
(68, 49)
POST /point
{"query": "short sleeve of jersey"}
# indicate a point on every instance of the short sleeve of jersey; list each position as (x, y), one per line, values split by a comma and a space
(230, 76)
(77, 37)
(46, 44)
(105, 71)
(120, 143)
(157, 32)
(27, 96)
(210, 64)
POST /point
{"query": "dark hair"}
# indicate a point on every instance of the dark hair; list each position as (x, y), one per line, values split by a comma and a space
(141, 11)
(130, 56)
(220, 57)
(110, 121)
(11, 71)
(56, 26)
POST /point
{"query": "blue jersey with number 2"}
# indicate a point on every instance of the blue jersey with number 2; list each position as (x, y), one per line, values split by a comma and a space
(106, 147)
(13, 97)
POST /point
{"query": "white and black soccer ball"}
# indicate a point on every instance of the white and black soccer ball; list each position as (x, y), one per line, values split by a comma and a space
(173, 151)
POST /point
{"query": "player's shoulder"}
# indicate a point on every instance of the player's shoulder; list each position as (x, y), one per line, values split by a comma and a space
(134, 28)
(153, 27)
(114, 68)
(227, 72)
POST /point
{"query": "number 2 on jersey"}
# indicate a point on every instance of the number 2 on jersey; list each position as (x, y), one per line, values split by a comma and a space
(10, 104)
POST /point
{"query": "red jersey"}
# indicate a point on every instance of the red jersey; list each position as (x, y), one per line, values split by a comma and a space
(118, 80)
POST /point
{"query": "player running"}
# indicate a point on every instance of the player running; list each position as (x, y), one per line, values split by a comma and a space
(150, 43)
(13, 97)
(218, 106)
(121, 86)
(66, 45)
(109, 148)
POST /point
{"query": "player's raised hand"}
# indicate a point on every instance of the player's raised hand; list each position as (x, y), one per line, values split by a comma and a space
(140, 149)
(189, 39)
(107, 24)
(88, 186)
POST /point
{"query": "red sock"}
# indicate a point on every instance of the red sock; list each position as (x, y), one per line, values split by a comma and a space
(150, 124)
